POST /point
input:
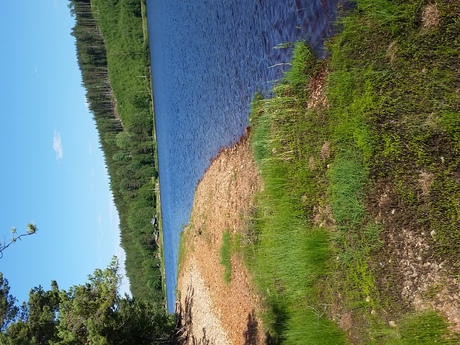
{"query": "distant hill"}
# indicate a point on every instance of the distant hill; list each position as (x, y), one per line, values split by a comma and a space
(113, 55)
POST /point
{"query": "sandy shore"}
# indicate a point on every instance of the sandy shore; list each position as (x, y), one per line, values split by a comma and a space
(213, 311)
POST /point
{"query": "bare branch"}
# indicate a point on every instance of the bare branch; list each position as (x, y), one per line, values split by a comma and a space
(31, 229)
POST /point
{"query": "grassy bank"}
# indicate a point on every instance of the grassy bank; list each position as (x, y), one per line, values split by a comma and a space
(122, 24)
(360, 207)
(291, 252)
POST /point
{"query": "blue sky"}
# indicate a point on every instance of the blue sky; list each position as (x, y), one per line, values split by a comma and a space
(52, 171)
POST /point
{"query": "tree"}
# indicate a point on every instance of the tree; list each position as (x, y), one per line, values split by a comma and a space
(92, 313)
(139, 322)
(123, 140)
(31, 229)
(38, 320)
(8, 309)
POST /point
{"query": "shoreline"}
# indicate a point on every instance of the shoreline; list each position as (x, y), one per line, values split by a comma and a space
(223, 201)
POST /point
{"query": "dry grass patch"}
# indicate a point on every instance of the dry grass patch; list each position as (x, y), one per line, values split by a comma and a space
(317, 97)
(391, 51)
(325, 150)
(312, 163)
(425, 180)
(430, 16)
(323, 217)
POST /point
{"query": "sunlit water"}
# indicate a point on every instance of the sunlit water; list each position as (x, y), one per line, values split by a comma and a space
(209, 57)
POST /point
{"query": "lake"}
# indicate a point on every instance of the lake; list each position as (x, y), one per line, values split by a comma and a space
(209, 57)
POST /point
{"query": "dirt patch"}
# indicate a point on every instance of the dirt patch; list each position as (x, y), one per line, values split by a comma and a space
(317, 89)
(211, 310)
(426, 283)
(391, 51)
(409, 273)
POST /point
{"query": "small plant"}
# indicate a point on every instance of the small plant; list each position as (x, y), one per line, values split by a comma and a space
(226, 255)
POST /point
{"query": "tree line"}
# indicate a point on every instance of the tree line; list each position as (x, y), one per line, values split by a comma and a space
(91, 313)
(112, 53)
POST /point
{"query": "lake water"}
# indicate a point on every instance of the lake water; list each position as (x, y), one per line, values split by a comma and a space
(209, 57)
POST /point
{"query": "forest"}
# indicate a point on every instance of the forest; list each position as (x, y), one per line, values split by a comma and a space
(112, 47)
(91, 313)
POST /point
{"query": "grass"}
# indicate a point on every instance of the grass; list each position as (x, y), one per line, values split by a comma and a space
(182, 250)
(127, 55)
(421, 329)
(412, 105)
(226, 255)
(320, 233)
(290, 253)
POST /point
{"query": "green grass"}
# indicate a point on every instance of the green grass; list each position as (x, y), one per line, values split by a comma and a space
(410, 102)
(226, 255)
(127, 55)
(422, 329)
(320, 234)
(290, 253)
(391, 91)
(182, 250)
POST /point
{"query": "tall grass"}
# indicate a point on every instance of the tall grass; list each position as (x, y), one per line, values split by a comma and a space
(422, 329)
(291, 253)
(393, 112)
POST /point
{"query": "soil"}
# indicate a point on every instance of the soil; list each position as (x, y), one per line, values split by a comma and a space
(409, 272)
(213, 311)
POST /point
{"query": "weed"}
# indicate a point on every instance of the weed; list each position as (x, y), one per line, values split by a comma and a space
(226, 255)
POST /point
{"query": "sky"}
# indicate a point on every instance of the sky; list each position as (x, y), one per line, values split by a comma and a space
(52, 169)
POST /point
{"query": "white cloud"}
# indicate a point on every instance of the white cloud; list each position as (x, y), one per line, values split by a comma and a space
(56, 7)
(86, 103)
(57, 145)
(99, 219)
